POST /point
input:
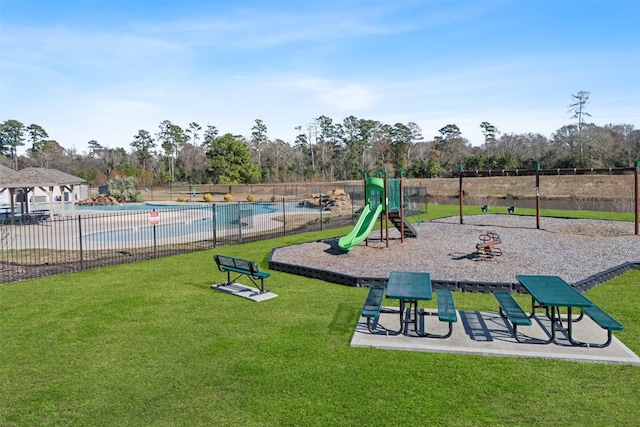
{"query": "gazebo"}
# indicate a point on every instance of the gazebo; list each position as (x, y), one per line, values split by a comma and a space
(25, 181)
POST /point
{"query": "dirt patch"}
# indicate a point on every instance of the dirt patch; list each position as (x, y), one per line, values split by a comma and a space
(592, 230)
(294, 221)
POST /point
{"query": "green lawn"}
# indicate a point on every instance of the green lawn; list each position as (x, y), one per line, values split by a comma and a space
(151, 344)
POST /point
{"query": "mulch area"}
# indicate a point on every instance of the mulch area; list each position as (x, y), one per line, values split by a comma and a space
(573, 249)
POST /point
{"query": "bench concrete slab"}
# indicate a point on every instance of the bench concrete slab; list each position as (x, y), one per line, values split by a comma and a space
(489, 334)
(243, 291)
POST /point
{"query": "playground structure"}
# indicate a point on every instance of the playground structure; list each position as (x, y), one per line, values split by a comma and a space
(488, 245)
(635, 170)
(382, 195)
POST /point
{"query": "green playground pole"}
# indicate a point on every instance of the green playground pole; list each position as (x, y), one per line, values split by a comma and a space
(386, 209)
(366, 201)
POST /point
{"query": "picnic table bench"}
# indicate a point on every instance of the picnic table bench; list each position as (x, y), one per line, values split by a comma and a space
(603, 320)
(372, 306)
(446, 309)
(510, 309)
(244, 268)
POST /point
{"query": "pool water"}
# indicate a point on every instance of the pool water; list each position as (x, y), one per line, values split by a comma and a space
(227, 216)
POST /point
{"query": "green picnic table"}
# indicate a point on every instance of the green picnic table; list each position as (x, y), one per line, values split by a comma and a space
(409, 288)
(552, 293)
(412, 287)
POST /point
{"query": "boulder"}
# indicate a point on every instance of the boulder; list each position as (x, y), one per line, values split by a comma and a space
(337, 200)
(100, 199)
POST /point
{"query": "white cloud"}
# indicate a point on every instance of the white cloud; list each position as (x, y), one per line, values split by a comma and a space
(342, 96)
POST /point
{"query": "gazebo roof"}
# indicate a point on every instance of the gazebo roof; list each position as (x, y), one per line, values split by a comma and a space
(36, 177)
(5, 172)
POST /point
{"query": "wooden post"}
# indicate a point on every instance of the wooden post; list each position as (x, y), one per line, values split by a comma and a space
(538, 196)
(461, 199)
(401, 211)
(636, 196)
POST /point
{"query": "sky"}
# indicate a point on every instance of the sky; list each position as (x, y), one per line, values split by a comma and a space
(102, 70)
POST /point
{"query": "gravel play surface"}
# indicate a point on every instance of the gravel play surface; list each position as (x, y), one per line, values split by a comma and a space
(573, 249)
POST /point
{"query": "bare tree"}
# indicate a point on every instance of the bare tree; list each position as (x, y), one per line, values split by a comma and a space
(578, 109)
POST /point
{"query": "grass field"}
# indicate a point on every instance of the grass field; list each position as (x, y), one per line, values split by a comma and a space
(151, 344)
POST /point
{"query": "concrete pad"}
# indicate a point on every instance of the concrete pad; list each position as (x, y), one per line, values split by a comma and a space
(488, 334)
(243, 291)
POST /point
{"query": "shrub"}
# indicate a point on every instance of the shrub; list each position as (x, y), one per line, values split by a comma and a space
(273, 199)
(228, 197)
(250, 198)
(181, 199)
(208, 197)
(134, 196)
(123, 188)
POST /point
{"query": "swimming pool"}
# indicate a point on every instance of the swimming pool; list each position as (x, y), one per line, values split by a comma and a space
(206, 220)
(126, 207)
(129, 207)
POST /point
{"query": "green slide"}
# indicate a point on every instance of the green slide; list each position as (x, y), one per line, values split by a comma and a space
(362, 229)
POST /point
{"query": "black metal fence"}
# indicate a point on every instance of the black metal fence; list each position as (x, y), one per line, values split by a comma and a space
(89, 238)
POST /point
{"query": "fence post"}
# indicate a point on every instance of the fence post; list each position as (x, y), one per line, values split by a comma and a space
(215, 225)
(284, 218)
(320, 205)
(353, 212)
(80, 238)
(426, 200)
(155, 241)
(239, 224)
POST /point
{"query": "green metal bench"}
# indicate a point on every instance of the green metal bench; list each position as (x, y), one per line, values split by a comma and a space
(446, 313)
(603, 320)
(446, 308)
(510, 309)
(372, 306)
(242, 267)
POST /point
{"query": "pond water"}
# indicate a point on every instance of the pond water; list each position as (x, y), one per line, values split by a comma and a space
(586, 203)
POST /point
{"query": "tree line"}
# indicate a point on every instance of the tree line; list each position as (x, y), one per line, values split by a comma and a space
(322, 150)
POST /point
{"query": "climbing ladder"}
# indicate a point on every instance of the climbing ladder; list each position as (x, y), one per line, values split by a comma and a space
(409, 229)
(394, 201)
